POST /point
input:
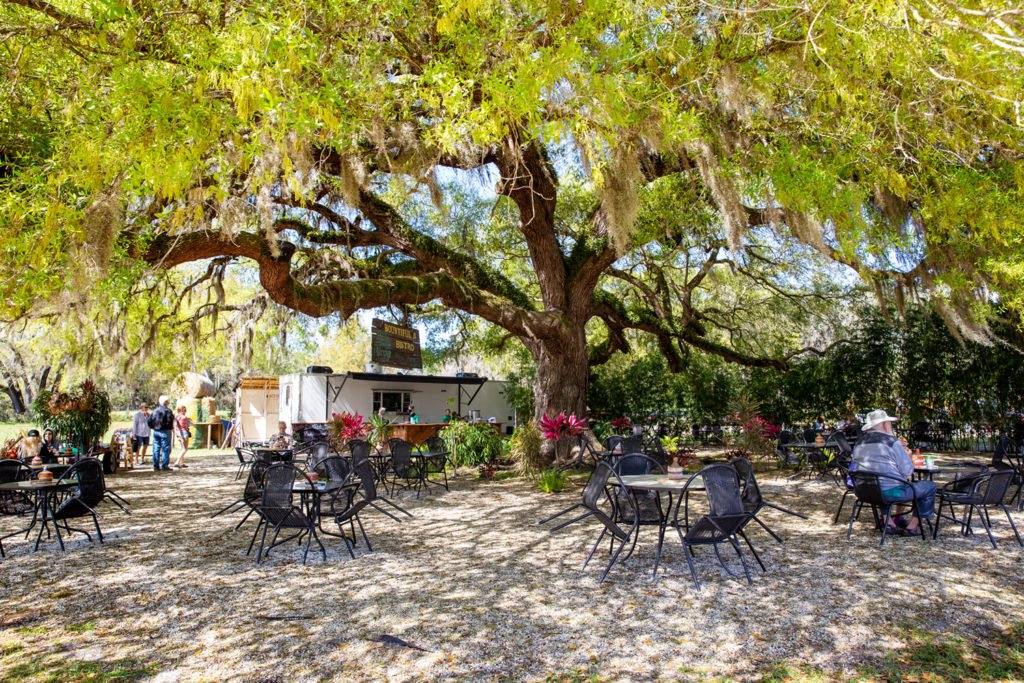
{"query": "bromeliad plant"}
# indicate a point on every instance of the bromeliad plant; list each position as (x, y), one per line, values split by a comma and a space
(622, 425)
(343, 427)
(563, 430)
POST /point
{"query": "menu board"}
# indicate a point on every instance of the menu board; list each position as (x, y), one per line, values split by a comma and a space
(395, 345)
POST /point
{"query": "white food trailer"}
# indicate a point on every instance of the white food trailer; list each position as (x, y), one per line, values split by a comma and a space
(310, 398)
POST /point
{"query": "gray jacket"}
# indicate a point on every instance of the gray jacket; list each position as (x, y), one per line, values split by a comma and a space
(882, 453)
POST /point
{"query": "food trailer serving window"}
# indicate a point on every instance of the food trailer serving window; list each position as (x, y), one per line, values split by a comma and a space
(393, 401)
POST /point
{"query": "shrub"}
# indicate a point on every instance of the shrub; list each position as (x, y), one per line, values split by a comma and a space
(524, 448)
(472, 444)
(552, 480)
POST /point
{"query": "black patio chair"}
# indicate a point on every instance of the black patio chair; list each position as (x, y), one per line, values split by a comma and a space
(402, 469)
(115, 498)
(867, 488)
(246, 457)
(978, 494)
(788, 457)
(724, 522)
(625, 444)
(87, 474)
(437, 463)
(14, 502)
(575, 506)
(600, 504)
(363, 469)
(842, 455)
(320, 450)
(753, 500)
(1007, 455)
(279, 510)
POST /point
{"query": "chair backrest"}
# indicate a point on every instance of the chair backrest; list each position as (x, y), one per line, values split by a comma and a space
(253, 492)
(991, 487)
(333, 467)
(1005, 447)
(919, 430)
(401, 456)
(367, 477)
(434, 444)
(842, 445)
(852, 431)
(867, 486)
(359, 449)
(750, 491)
(321, 450)
(277, 486)
(637, 463)
(244, 454)
(12, 470)
(595, 490)
(722, 484)
(625, 444)
(809, 434)
(785, 436)
(89, 475)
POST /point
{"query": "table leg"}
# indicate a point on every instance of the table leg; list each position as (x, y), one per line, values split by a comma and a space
(661, 535)
(44, 524)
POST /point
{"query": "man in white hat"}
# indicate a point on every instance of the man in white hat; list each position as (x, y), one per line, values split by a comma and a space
(879, 451)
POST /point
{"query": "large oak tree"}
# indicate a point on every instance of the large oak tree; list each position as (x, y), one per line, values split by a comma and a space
(694, 139)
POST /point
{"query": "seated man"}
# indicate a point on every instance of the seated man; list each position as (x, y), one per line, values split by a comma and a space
(878, 450)
(280, 440)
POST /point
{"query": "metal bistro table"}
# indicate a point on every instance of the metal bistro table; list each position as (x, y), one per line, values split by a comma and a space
(43, 491)
(660, 483)
(318, 491)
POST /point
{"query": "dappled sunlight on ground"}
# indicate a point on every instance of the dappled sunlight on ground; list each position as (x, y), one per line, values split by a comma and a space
(485, 592)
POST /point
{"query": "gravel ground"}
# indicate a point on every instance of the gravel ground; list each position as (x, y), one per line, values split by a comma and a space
(485, 592)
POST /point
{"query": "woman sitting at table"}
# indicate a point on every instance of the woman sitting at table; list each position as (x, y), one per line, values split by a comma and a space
(49, 449)
(29, 446)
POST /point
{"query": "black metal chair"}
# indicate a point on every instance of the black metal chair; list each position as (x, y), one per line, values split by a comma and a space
(788, 457)
(978, 494)
(321, 450)
(437, 462)
(724, 521)
(279, 510)
(601, 505)
(402, 468)
(14, 502)
(1007, 455)
(867, 488)
(625, 444)
(246, 457)
(753, 500)
(87, 474)
(363, 468)
(648, 503)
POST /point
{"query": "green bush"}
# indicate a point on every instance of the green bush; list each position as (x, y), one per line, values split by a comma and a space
(552, 480)
(524, 448)
(472, 444)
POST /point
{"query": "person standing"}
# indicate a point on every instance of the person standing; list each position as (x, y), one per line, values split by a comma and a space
(161, 422)
(183, 429)
(140, 434)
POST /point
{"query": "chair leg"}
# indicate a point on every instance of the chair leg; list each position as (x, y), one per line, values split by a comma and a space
(842, 502)
(765, 527)
(594, 549)
(60, 540)
(559, 514)
(885, 524)
(369, 548)
(615, 557)
(254, 534)
(263, 539)
(786, 510)
(1012, 525)
(753, 552)
(382, 510)
(96, 522)
(853, 515)
(988, 529)
(739, 551)
(247, 515)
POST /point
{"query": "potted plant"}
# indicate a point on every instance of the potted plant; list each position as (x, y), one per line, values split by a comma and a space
(380, 430)
(343, 427)
(80, 416)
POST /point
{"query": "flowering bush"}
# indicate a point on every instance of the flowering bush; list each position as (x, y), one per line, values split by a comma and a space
(622, 424)
(562, 426)
(345, 426)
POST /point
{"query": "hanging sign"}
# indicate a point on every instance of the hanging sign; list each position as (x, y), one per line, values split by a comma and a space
(395, 345)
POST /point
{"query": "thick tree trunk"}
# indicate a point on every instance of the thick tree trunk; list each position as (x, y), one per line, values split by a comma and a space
(561, 384)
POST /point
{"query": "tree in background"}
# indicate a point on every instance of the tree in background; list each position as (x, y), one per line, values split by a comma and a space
(665, 169)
